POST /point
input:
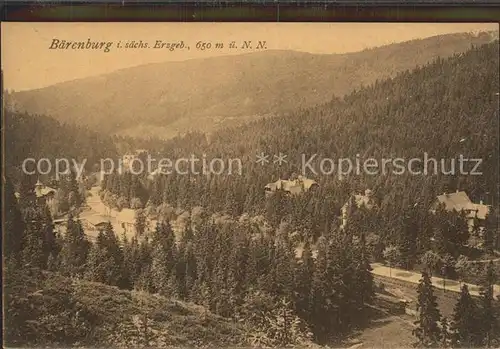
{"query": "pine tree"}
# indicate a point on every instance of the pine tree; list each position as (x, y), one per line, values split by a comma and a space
(283, 266)
(33, 244)
(363, 278)
(285, 327)
(326, 284)
(13, 224)
(239, 268)
(303, 283)
(27, 196)
(408, 238)
(427, 331)
(140, 222)
(488, 319)
(276, 208)
(50, 245)
(105, 260)
(129, 257)
(444, 333)
(163, 257)
(74, 195)
(142, 270)
(190, 272)
(490, 229)
(451, 232)
(132, 260)
(96, 265)
(465, 328)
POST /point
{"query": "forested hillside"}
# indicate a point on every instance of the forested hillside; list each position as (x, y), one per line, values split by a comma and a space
(278, 267)
(446, 108)
(207, 94)
(38, 136)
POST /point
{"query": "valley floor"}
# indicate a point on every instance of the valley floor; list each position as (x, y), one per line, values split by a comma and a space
(387, 333)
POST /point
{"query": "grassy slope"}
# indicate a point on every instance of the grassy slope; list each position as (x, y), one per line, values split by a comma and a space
(47, 309)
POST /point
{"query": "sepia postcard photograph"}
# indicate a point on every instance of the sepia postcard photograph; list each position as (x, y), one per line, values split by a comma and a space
(250, 185)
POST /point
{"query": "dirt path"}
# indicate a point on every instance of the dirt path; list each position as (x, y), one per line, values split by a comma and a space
(413, 277)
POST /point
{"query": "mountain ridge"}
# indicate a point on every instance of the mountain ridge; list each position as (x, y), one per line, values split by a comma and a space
(195, 95)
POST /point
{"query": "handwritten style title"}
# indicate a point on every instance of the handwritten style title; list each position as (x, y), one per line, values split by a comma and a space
(106, 46)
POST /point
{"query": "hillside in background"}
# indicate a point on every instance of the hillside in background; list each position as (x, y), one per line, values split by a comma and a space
(37, 136)
(444, 109)
(208, 94)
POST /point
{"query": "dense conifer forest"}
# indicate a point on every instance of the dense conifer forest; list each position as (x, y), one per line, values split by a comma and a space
(270, 270)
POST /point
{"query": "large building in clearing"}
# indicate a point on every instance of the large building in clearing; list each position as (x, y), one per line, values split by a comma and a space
(293, 186)
(460, 202)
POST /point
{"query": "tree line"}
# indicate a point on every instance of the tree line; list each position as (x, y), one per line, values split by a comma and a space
(237, 270)
(473, 324)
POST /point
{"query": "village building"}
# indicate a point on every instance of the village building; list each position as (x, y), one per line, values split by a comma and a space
(94, 223)
(293, 186)
(132, 160)
(126, 221)
(60, 225)
(366, 200)
(460, 202)
(44, 194)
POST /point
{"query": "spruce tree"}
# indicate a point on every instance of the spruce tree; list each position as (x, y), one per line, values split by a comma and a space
(326, 290)
(488, 318)
(13, 224)
(490, 229)
(50, 245)
(105, 260)
(363, 278)
(27, 196)
(444, 333)
(140, 222)
(238, 267)
(75, 249)
(303, 283)
(283, 266)
(427, 330)
(408, 238)
(74, 195)
(33, 244)
(466, 326)
(163, 257)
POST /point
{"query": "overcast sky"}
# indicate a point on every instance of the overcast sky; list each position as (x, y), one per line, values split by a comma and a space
(28, 63)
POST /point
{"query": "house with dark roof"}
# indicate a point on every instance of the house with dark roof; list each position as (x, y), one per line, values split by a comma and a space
(366, 200)
(43, 193)
(460, 202)
(293, 186)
